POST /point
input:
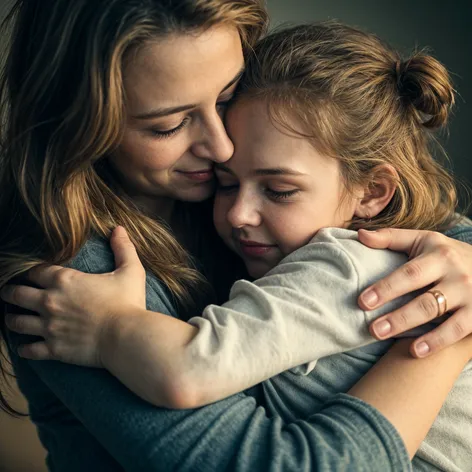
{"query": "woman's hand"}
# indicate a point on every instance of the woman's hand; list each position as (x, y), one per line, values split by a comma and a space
(74, 308)
(436, 262)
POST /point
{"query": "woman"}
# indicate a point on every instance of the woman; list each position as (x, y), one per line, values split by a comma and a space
(121, 144)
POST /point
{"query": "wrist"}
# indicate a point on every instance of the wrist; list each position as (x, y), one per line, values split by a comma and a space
(113, 332)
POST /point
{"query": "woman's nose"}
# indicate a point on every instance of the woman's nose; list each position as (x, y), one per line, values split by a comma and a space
(214, 143)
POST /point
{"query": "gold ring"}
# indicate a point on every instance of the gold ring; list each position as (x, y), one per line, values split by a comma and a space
(441, 301)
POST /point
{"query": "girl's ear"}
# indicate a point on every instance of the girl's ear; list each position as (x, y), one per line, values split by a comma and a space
(378, 192)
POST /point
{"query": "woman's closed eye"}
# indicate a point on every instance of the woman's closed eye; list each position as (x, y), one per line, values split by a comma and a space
(166, 133)
(222, 105)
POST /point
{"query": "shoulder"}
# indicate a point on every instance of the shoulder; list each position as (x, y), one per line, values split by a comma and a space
(96, 257)
(462, 231)
(341, 247)
(336, 260)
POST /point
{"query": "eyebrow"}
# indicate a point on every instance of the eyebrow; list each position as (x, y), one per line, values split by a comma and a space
(160, 112)
(267, 171)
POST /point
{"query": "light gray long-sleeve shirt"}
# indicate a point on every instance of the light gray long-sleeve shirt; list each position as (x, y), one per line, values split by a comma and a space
(304, 313)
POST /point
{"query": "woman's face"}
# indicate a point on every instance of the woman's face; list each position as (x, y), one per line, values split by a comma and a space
(276, 192)
(176, 94)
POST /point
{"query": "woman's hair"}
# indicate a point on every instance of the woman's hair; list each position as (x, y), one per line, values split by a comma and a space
(62, 114)
(358, 101)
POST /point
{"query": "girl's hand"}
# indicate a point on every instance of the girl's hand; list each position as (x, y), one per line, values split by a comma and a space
(436, 262)
(74, 308)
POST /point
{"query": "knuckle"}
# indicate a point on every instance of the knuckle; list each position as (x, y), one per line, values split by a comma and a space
(438, 341)
(428, 306)
(16, 324)
(384, 287)
(14, 295)
(412, 270)
(401, 319)
(56, 351)
(50, 304)
(435, 238)
(52, 329)
(459, 330)
(63, 277)
(466, 280)
(446, 252)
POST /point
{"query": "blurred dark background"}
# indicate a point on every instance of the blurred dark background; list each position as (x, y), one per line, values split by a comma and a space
(444, 27)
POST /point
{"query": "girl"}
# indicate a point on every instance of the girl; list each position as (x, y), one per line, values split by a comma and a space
(332, 137)
(112, 115)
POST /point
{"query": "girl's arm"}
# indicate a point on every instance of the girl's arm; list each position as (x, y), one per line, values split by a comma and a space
(266, 328)
(282, 320)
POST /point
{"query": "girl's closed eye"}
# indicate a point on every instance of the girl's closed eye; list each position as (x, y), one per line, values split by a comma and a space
(223, 186)
(281, 195)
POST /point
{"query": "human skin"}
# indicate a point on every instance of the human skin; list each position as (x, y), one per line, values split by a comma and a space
(278, 190)
(174, 129)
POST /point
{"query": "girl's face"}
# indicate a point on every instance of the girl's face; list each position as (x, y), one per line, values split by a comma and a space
(276, 191)
(176, 93)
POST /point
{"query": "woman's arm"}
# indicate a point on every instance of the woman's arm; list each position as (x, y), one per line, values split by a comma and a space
(236, 435)
(417, 384)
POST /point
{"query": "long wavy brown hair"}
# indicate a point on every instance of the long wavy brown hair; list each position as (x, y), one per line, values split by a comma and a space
(62, 114)
(360, 102)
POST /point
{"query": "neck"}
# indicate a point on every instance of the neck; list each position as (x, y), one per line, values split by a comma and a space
(155, 207)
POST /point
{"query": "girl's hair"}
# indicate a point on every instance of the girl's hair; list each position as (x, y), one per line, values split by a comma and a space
(360, 102)
(62, 114)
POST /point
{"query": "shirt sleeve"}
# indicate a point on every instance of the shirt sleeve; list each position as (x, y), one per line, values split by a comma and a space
(233, 434)
(461, 232)
(301, 311)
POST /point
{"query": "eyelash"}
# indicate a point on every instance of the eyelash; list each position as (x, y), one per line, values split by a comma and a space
(277, 196)
(170, 132)
(281, 195)
(167, 134)
(225, 188)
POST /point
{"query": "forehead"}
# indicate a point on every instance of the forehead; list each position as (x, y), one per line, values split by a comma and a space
(260, 143)
(182, 68)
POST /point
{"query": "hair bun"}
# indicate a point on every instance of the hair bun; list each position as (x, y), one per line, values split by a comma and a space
(425, 83)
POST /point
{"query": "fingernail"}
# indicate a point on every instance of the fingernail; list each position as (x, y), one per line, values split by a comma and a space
(422, 349)
(368, 230)
(382, 328)
(370, 297)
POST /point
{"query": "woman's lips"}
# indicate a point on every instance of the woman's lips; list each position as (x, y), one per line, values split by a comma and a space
(203, 175)
(253, 248)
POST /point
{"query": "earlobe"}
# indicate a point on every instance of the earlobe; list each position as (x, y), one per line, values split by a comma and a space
(378, 193)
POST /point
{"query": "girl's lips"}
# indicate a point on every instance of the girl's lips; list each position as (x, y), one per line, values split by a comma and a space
(252, 248)
(199, 176)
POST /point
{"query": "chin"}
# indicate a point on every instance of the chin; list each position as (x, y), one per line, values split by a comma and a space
(256, 271)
